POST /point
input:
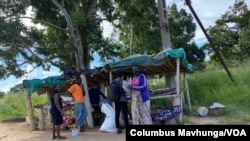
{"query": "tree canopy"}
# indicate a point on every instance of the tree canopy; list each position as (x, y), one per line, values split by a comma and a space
(71, 32)
(230, 34)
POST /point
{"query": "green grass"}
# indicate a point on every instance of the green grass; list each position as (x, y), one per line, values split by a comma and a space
(13, 105)
(214, 85)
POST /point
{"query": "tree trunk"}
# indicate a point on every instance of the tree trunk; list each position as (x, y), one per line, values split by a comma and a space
(79, 53)
(87, 102)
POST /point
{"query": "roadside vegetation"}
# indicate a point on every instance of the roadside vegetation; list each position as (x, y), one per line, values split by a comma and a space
(214, 85)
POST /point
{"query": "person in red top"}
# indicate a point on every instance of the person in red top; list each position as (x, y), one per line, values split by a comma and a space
(77, 92)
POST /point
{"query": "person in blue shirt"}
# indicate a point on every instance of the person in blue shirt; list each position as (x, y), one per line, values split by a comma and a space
(95, 95)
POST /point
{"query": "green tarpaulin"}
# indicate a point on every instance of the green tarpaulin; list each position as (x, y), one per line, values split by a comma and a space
(142, 60)
(35, 84)
(149, 60)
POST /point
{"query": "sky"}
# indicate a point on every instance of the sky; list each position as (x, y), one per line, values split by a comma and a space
(208, 12)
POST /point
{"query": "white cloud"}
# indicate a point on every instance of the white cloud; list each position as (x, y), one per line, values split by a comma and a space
(27, 21)
(107, 29)
(39, 73)
(208, 12)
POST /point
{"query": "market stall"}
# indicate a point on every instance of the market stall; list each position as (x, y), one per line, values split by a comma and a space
(44, 86)
(164, 63)
(167, 62)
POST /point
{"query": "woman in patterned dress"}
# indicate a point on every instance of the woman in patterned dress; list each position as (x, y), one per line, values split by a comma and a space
(140, 108)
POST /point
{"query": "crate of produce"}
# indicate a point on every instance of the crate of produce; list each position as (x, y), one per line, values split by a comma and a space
(68, 122)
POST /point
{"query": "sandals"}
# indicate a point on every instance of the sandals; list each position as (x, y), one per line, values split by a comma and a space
(119, 131)
(54, 137)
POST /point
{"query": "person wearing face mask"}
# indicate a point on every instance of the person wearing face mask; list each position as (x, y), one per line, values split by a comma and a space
(140, 108)
(77, 92)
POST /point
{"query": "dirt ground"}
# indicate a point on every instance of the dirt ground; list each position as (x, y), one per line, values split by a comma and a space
(19, 131)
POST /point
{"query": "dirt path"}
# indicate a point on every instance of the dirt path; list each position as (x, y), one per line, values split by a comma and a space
(19, 131)
(198, 120)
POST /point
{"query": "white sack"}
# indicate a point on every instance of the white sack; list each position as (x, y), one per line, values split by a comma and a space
(109, 122)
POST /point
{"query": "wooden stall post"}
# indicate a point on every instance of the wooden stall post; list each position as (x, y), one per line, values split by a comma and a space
(31, 119)
(178, 100)
(187, 92)
(41, 117)
(110, 81)
(110, 77)
(47, 110)
(102, 88)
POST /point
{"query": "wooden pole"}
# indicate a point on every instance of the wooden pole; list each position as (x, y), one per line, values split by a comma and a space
(49, 116)
(178, 100)
(30, 110)
(188, 2)
(110, 77)
(87, 102)
(102, 88)
(165, 32)
(187, 91)
(41, 118)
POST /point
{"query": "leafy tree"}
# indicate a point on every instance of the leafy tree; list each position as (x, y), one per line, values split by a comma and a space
(230, 34)
(16, 88)
(182, 31)
(140, 31)
(244, 42)
(195, 56)
(16, 39)
(70, 32)
(1, 94)
(182, 27)
(139, 27)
